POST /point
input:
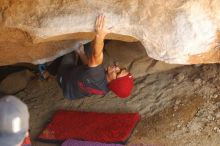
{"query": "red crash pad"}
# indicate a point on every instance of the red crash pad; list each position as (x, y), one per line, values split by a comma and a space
(90, 126)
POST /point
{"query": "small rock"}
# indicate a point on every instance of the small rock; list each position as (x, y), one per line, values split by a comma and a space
(180, 77)
(215, 96)
(199, 113)
(178, 126)
(197, 81)
(210, 118)
(216, 129)
(177, 102)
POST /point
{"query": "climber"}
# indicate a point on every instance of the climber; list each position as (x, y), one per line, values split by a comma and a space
(91, 78)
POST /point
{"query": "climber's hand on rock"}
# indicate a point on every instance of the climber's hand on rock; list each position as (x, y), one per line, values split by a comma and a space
(100, 27)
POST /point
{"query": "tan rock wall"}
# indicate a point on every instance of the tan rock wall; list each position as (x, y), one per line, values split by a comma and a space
(135, 59)
(174, 31)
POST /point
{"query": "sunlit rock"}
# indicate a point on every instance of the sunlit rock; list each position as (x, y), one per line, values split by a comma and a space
(174, 31)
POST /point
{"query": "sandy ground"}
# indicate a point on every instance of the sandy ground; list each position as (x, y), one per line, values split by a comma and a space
(180, 107)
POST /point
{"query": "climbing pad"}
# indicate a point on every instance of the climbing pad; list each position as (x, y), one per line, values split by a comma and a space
(90, 126)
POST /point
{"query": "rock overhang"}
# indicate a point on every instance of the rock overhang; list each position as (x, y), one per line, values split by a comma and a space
(173, 31)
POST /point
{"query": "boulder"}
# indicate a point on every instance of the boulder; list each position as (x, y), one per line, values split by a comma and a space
(173, 31)
(15, 82)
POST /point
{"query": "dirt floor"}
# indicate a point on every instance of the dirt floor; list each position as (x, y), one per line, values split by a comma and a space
(180, 107)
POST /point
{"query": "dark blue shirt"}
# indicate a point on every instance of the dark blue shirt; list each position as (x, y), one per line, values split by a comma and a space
(81, 81)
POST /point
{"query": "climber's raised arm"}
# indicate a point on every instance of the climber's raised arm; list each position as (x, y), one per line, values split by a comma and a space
(98, 42)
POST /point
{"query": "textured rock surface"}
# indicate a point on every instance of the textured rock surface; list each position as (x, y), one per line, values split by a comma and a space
(15, 82)
(135, 59)
(179, 107)
(174, 31)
